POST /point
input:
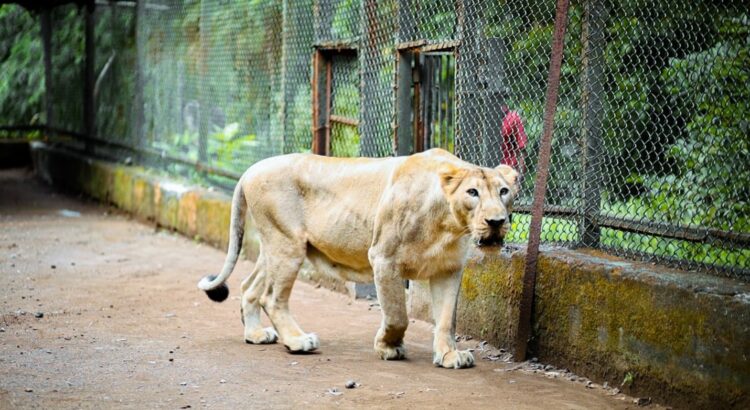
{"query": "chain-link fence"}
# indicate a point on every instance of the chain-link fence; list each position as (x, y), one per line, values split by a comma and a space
(650, 151)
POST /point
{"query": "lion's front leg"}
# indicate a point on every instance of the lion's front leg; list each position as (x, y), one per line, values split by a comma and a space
(389, 342)
(444, 291)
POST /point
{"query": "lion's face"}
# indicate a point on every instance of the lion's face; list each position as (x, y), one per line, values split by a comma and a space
(482, 198)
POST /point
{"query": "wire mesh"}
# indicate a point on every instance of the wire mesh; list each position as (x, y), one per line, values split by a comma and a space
(115, 61)
(650, 149)
(67, 51)
(345, 141)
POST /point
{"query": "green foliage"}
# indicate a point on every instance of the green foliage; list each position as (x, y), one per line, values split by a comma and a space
(21, 65)
(710, 90)
(229, 144)
(708, 185)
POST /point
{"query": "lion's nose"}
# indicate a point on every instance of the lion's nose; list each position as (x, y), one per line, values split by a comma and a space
(495, 223)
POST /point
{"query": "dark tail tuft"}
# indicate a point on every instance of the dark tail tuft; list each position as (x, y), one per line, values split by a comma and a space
(219, 294)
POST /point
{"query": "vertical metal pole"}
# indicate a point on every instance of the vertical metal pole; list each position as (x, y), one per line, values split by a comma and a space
(404, 136)
(529, 278)
(418, 115)
(328, 106)
(593, 60)
(46, 23)
(139, 133)
(89, 119)
(320, 103)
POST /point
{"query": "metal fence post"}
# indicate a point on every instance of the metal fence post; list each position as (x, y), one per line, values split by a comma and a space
(46, 31)
(89, 113)
(321, 97)
(540, 185)
(593, 55)
(404, 137)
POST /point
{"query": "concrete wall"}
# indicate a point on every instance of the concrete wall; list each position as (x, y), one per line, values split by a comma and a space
(682, 338)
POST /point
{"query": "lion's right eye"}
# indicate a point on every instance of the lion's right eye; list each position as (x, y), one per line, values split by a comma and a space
(472, 192)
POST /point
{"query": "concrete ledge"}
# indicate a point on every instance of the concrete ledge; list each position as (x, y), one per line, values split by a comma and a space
(679, 337)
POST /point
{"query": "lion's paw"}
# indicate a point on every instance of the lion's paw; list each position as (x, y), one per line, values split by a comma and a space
(388, 352)
(305, 343)
(454, 359)
(261, 336)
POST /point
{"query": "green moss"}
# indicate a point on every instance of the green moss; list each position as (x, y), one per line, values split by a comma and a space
(122, 192)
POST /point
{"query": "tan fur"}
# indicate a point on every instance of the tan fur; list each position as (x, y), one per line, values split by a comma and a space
(362, 219)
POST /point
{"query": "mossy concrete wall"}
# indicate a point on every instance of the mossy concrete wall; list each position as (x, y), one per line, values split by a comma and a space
(682, 338)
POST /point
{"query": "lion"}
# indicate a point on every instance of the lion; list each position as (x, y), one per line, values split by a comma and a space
(364, 220)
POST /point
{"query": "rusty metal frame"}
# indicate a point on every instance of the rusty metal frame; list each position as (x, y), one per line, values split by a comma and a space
(322, 81)
(408, 77)
(523, 333)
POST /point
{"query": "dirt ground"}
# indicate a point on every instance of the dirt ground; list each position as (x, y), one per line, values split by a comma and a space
(100, 311)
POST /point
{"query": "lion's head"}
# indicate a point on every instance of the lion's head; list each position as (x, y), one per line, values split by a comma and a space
(482, 200)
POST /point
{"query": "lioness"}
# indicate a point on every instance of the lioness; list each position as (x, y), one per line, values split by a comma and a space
(386, 219)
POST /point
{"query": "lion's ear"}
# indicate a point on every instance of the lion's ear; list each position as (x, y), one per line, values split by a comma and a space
(510, 176)
(450, 177)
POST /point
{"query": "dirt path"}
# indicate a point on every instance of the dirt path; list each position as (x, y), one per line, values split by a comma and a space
(124, 326)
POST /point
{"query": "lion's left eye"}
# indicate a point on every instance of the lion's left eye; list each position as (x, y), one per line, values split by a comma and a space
(473, 192)
(503, 191)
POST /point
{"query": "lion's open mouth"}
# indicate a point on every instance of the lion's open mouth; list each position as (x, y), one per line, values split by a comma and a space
(495, 240)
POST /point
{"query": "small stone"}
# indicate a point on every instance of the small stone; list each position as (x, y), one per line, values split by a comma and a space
(642, 401)
(28, 390)
(171, 359)
(534, 360)
(53, 267)
(605, 385)
(351, 384)
(183, 384)
(222, 381)
(38, 315)
(334, 392)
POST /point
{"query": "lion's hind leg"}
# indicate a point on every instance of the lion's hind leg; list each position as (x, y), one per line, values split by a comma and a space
(253, 287)
(283, 267)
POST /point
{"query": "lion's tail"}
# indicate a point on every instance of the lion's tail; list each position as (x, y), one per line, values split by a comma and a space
(214, 285)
